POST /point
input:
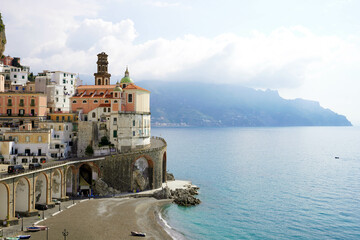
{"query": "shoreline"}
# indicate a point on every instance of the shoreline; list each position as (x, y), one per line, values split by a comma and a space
(108, 218)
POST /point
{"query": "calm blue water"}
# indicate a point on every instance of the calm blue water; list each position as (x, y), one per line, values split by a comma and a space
(267, 183)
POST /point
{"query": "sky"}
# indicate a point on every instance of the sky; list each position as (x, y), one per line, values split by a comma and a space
(304, 49)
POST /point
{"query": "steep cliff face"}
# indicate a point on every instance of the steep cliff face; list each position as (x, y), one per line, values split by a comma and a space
(2, 37)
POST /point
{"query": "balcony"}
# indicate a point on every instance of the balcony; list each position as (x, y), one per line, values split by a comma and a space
(32, 104)
(21, 104)
(9, 104)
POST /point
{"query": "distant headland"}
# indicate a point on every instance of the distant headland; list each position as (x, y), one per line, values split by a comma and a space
(195, 104)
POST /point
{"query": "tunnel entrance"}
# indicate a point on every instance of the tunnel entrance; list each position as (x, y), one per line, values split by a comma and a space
(85, 180)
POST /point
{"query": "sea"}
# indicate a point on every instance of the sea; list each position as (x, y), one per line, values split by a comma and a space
(266, 183)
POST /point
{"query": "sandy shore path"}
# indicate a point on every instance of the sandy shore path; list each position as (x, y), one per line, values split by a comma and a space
(110, 218)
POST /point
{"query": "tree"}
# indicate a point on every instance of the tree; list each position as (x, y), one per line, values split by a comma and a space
(104, 141)
(89, 151)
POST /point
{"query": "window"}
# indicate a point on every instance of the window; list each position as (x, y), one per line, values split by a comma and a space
(23, 77)
(104, 109)
(74, 101)
(63, 118)
(64, 81)
(69, 118)
(115, 121)
(21, 102)
(106, 101)
(57, 99)
(21, 111)
(39, 139)
(84, 101)
(57, 92)
(64, 74)
(32, 103)
(134, 123)
(130, 99)
(59, 128)
(96, 101)
(64, 99)
(109, 109)
(115, 133)
(115, 101)
(8, 111)
(94, 115)
(9, 102)
(71, 77)
(72, 82)
(27, 139)
(57, 118)
(134, 133)
(116, 94)
(67, 127)
(15, 76)
(16, 88)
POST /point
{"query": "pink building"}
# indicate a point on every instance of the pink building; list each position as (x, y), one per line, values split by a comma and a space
(23, 104)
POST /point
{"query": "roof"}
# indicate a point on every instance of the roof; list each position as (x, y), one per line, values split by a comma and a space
(126, 80)
(133, 86)
(105, 105)
(96, 87)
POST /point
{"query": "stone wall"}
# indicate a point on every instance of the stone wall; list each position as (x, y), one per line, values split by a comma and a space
(117, 170)
(85, 136)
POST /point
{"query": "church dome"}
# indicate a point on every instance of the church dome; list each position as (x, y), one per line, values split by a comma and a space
(118, 89)
(126, 78)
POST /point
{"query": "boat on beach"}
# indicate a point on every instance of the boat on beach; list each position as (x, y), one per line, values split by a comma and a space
(24, 236)
(138, 234)
(41, 227)
(33, 229)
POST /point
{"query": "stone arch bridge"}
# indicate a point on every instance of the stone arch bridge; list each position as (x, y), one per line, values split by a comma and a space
(133, 171)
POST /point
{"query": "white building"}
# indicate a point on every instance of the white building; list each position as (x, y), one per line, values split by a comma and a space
(59, 87)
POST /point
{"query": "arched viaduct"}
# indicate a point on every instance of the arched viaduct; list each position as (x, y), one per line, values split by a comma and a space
(133, 171)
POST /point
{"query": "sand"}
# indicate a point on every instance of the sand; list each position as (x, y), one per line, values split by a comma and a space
(108, 218)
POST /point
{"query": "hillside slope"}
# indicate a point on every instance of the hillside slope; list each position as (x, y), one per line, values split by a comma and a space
(201, 104)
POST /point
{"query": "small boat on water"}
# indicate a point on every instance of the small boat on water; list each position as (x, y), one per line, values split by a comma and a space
(33, 229)
(24, 236)
(138, 234)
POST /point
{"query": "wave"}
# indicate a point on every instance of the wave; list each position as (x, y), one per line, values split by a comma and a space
(176, 235)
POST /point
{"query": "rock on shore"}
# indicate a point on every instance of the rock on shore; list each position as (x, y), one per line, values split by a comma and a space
(182, 197)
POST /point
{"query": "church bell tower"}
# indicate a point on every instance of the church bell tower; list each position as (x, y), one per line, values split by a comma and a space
(102, 77)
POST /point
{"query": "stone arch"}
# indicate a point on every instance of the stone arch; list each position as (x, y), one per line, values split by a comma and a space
(4, 201)
(142, 177)
(69, 180)
(41, 189)
(164, 168)
(56, 186)
(22, 195)
(87, 173)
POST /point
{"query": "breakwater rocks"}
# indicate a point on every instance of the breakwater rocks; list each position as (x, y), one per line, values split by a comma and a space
(182, 196)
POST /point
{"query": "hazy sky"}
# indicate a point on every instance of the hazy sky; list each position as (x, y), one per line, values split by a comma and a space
(307, 49)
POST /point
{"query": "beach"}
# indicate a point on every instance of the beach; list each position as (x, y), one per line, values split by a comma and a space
(108, 218)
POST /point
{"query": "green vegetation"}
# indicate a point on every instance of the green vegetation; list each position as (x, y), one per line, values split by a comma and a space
(2, 26)
(89, 151)
(104, 141)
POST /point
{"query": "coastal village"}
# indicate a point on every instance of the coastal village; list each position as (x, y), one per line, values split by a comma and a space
(41, 116)
(63, 142)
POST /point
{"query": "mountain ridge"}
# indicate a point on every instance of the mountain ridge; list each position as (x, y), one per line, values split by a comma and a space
(210, 105)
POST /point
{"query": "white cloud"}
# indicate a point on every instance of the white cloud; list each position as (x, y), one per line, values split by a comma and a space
(163, 4)
(293, 59)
